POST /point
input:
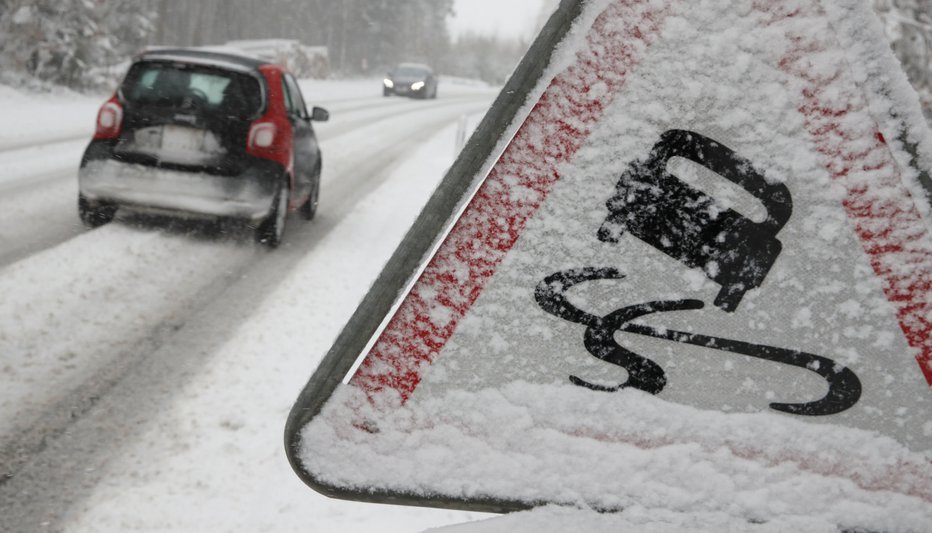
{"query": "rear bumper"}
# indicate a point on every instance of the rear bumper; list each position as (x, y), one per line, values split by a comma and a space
(248, 195)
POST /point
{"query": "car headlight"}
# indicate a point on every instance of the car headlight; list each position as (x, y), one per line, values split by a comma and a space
(417, 86)
(389, 83)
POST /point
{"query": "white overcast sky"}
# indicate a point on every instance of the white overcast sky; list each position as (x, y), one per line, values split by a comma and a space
(511, 18)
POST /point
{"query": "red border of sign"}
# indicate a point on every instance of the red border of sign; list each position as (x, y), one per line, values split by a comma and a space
(493, 221)
(558, 126)
(891, 235)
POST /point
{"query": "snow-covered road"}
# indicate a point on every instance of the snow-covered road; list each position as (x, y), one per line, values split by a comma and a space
(148, 367)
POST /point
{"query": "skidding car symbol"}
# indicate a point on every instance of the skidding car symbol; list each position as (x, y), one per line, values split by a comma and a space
(686, 224)
(204, 134)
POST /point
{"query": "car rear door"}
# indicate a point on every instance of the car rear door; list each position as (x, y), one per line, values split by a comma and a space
(306, 150)
(189, 115)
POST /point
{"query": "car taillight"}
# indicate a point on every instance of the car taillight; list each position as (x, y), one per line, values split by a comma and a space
(109, 120)
(261, 135)
(268, 140)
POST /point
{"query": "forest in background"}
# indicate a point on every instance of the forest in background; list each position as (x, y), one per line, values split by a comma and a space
(361, 35)
(72, 42)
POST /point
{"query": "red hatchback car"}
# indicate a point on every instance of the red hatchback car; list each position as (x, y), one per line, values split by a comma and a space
(204, 134)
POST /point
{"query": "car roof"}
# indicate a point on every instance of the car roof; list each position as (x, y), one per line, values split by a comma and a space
(420, 66)
(227, 60)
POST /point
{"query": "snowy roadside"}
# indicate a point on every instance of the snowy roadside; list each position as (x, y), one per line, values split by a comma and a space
(37, 118)
(43, 134)
(214, 461)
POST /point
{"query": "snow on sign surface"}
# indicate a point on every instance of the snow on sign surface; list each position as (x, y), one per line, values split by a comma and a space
(698, 278)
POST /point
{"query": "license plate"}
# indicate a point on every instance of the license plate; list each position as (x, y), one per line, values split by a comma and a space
(171, 139)
(181, 139)
(148, 139)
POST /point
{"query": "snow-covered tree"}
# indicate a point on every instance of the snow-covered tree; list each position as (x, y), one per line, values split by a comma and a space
(485, 57)
(62, 41)
(361, 35)
(70, 41)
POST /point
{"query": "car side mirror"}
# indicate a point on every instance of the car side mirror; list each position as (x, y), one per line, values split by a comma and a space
(320, 114)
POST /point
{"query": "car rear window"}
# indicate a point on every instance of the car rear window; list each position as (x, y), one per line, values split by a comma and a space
(193, 88)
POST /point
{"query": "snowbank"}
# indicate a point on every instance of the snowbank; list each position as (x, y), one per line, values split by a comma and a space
(31, 118)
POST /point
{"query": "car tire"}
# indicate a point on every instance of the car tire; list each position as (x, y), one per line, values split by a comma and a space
(309, 208)
(95, 215)
(386, 93)
(272, 229)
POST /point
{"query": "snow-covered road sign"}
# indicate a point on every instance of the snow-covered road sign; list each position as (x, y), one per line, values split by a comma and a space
(688, 243)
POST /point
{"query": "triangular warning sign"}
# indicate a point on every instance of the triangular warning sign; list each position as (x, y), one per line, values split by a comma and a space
(702, 250)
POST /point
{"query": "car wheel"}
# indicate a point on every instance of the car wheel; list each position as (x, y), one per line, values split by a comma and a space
(271, 230)
(309, 208)
(386, 93)
(95, 215)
